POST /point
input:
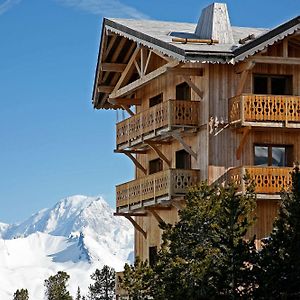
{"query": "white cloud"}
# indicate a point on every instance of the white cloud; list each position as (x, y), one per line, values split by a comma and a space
(7, 4)
(109, 8)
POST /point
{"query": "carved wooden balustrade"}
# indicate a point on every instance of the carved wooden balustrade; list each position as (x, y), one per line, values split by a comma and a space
(268, 180)
(169, 114)
(265, 109)
(169, 183)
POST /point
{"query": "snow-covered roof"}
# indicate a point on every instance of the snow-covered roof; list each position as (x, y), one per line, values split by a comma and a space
(159, 35)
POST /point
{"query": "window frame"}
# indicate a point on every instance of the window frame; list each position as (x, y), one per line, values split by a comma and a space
(289, 153)
(269, 77)
(187, 96)
(155, 100)
(187, 160)
(151, 169)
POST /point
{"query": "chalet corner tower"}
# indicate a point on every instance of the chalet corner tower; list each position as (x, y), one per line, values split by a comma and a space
(206, 101)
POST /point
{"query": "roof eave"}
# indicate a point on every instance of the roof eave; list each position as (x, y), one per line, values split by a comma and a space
(267, 39)
(94, 94)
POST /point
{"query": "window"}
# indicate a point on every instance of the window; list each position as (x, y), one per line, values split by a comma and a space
(152, 255)
(155, 165)
(183, 91)
(273, 155)
(183, 160)
(155, 100)
(272, 84)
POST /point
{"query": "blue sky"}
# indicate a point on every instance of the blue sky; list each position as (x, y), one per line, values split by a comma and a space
(53, 144)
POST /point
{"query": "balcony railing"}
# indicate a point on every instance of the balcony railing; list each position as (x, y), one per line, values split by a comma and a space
(168, 114)
(165, 184)
(268, 180)
(272, 109)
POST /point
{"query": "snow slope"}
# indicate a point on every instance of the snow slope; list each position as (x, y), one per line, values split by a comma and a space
(77, 235)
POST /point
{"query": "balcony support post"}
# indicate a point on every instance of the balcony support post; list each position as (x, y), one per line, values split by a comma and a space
(239, 150)
(134, 223)
(156, 215)
(128, 110)
(158, 152)
(186, 147)
(134, 160)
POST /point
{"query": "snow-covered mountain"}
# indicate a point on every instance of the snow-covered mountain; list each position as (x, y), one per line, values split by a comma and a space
(77, 235)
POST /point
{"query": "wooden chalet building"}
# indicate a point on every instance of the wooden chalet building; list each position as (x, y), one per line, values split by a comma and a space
(206, 101)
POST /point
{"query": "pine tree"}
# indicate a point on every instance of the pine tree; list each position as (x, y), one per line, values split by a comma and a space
(280, 257)
(205, 255)
(21, 294)
(56, 287)
(104, 284)
(137, 280)
(78, 295)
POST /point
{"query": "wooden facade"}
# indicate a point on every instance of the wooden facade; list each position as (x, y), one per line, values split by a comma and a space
(239, 112)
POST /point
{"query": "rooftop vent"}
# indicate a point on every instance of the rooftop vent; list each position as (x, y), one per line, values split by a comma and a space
(214, 24)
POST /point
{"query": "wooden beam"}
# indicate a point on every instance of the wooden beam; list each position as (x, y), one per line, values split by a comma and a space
(131, 151)
(276, 60)
(200, 41)
(132, 214)
(187, 71)
(136, 162)
(285, 48)
(243, 77)
(242, 66)
(143, 61)
(193, 86)
(147, 62)
(112, 67)
(239, 150)
(142, 81)
(155, 215)
(126, 101)
(130, 112)
(158, 152)
(160, 142)
(168, 59)
(187, 148)
(136, 225)
(109, 47)
(114, 58)
(105, 89)
(138, 68)
(126, 70)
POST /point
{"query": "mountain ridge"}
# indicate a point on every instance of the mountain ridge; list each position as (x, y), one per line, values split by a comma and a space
(78, 234)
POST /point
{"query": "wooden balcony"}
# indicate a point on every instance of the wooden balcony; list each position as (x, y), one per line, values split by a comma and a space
(268, 180)
(265, 110)
(152, 122)
(155, 188)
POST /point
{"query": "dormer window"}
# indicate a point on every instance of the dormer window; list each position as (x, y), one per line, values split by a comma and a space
(272, 84)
